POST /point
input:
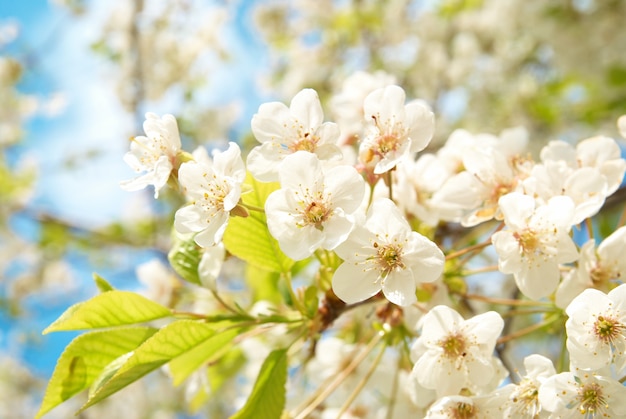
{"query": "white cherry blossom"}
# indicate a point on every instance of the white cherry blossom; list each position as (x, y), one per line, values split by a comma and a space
(314, 207)
(385, 254)
(283, 130)
(453, 353)
(213, 188)
(596, 329)
(522, 399)
(535, 242)
(464, 407)
(155, 153)
(587, 174)
(597, 268)
(488, 167)
(393, 129)
(583, 395)
(347, 104)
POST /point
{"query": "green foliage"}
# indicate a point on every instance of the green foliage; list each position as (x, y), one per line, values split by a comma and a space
(102, 284)
(85, 357)
(174, 340)
(263, 284)
(185, 257)
(212, 349)
(113, 308)
(248, 237)
(268, 395)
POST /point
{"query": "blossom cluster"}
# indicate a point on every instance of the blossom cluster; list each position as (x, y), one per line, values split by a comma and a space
(361, 191)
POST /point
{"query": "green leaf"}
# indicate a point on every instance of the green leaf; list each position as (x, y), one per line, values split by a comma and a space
(102, 284)
(113, 308)
(311, 300)
(185, 257)
(267, 399)
(85, 357)
(249, 239)
(263, 284)
(168, 343)
(208, 351)
(226, 368)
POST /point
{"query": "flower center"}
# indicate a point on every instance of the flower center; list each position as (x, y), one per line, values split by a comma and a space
(315, 214)
(602, 274)
(387, 143)
(528, 240)
(527, 397)
(389, 139)
(454, 346)
(307, 142)
(591, 399)
(607, 329)
(313, 208)
(462, 411)
(389, 257)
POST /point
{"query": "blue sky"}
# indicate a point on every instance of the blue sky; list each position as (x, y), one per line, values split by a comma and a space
(55, 46)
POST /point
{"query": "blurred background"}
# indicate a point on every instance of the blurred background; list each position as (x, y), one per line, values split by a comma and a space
(77, 76)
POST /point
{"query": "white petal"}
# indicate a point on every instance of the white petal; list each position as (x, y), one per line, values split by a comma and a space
(421, 122)
(399, 287)
(210, 265)
(439, 321)
(352, 284)
(268, 125)
(621, 125)
(517, 208)
(346, 186)
(538, 278)
(262, 162)
(301, 170)
(485, 328)
(306, 108)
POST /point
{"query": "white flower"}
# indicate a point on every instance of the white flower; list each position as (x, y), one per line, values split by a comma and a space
(487, 167)
(535, 242)
(569, 395)
(523, 398)
(452, 353)
(596, 329)
(597, 268)
(283, 131)
(587, 174)
(210, 265)
(158, 279)
(314, 207)
(464, 407)
(604, 154)
(415, 183)
(394, 129)
(347, 105)
(385, 254)
(214, 188)
(154, 153)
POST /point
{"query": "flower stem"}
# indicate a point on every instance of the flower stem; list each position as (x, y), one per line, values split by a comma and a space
(252, 207)
(296, 301)
(527, 330)
(362, 382)
(469, 249)
(484, 269)
(622, 218)
(226, 305)
(507, 301)
(589, 225)
(331, 385)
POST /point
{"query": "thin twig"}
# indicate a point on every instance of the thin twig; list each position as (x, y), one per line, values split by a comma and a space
(328, 387)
